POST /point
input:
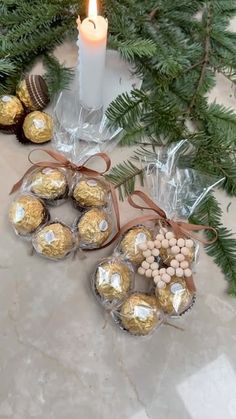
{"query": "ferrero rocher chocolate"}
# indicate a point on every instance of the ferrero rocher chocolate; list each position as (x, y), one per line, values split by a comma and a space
(129, 245)
(26, 214)
(139, 314)
(48, 183)
(94, 227)
(54, 241)
(11, 110)
(175, 298)
(33, 92)
(167, 256)
(38, 127)
(113, 280)
(90, 193)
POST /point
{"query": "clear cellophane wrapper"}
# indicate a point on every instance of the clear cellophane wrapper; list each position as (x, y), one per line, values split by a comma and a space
(178, 192)
(112, 281)
(55, 241)
(50, 184)
(27, 214)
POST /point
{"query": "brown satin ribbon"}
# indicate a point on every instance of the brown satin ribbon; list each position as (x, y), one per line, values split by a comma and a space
(61, 161)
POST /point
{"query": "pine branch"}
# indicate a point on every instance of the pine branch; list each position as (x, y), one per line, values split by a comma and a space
(57, 76)
(123, 177)
(223, 251)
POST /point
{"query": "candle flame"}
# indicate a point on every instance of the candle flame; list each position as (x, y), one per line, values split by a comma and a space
(93, 11)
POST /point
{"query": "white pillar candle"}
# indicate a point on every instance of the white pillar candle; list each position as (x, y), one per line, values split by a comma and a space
(92, 54)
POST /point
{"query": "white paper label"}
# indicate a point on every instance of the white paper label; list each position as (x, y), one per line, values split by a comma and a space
(115, 281)
(20, 213)
(49, 237)
(141, 238)
(176, 288)
(38, 123)
(91, 182)
(6, 98)
(142, 312)
(103, 225)
(47, 170)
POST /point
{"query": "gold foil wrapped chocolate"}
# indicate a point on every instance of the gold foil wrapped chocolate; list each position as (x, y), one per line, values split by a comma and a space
(11, 110)
(48, 183)
(26, 214)
(94, 228)
(90, 193)
(129, 245)
(139, 314)
(38, 127)
(175, 298)
(24, 95)
(113, 280)
(54, 241)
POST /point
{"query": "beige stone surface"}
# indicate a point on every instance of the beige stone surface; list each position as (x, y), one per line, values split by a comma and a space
(61, 359)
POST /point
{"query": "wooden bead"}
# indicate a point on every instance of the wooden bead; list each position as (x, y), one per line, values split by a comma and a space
(154, 266)
(180, 257)
(189, 243)
(161, 284)
(143, 246)
(145, 264)
(169, 235)
(162, 271)
(184, 264)
(147, 253)
(179, 272)
(155, 252)
(181, 242)
(185, 251)
(157, 278)
(155, 273)
(165, 244)
(175, 250)
(166, 278)
(187, 273)
(141, 270)
(157, 244)
(174, 263)
(159, 237)
(172, 242)
(170, 271)
(150, 259)
(150, 244)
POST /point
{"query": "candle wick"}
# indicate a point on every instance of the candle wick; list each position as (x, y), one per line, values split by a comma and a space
(90, 20)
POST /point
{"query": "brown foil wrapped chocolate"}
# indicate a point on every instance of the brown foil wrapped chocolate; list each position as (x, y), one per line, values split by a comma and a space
(33, 92)
(129, 245)
(175, 298)
(54, 241)
(27, 214)
(139, 314)
(90, 192)
(49, 184)
(112, 281)
(37, 128)
(11, 113)
(94, 228)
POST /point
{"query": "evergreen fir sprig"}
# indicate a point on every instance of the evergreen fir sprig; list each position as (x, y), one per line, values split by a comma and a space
(57, 76)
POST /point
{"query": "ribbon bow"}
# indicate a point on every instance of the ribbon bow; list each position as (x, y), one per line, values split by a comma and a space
(61, 161)
(180, 228)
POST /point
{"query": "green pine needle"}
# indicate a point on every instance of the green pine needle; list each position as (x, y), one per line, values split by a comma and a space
(57, 76)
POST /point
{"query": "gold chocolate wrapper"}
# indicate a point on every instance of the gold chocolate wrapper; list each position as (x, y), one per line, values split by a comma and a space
(90, 193)
(139, 314)
(48, 183)
(11, 110)
(113, 280)
(94, 227)
(175, 298)
(54, 241)
(26, 214)
(130, 243)
(23, 94)
(38, 127)
(167, 256)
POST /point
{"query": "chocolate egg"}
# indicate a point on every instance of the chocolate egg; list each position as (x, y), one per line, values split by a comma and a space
(11, 111)
(26, 214)
(90, 192)
(47, 183)
(54, 241)
(139, 314)
(175, 298)
(94, 228)
(38, 127)
(129, 245)
(113, 281)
